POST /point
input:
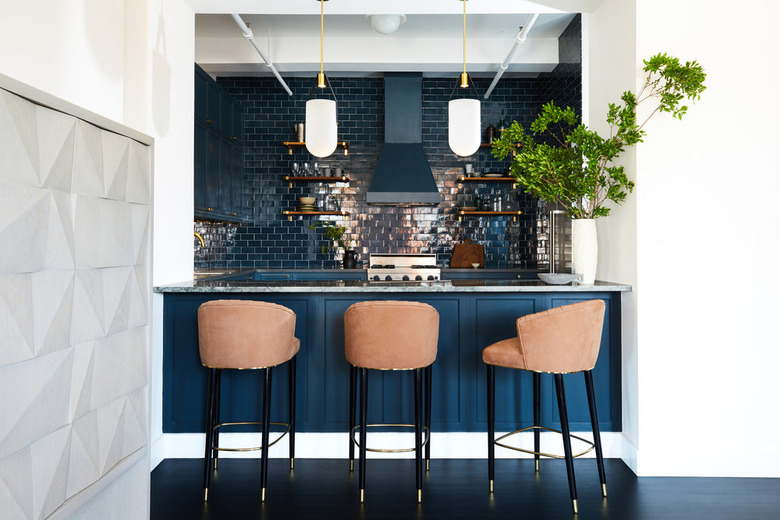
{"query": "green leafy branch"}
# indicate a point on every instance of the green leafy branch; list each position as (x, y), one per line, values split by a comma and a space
(564, 162)
(332, 232)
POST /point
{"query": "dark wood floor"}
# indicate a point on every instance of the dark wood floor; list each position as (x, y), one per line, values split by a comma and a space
(454, 489)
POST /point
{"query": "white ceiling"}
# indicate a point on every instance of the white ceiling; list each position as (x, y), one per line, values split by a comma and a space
(431, 40)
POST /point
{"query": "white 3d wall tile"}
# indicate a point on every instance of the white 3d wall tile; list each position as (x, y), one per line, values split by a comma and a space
(74, 306)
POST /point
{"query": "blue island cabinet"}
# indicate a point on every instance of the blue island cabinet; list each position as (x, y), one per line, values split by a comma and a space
(469, 321)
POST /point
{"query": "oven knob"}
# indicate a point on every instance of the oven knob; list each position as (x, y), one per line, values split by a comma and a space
(388, 278)
(376, 278)
(406, 278)
(418, 277)
(431, 277)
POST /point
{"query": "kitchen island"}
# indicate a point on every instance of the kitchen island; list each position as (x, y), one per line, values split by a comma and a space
(474, 312)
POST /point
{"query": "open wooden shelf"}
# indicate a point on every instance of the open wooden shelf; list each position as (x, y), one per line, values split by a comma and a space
(297, 178)
(291, 214)
(482, 178)
(513, 214)
(299, 144)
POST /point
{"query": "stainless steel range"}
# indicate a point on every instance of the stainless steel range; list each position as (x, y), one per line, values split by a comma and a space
(392, 267)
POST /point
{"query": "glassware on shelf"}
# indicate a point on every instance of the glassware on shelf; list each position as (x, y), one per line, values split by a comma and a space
(306, 169)
(296, 168)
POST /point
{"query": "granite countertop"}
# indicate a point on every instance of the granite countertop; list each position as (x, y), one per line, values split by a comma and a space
(218, 285)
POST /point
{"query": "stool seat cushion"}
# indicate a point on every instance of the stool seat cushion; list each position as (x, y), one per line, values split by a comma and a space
(245, 334)
(505, 353)
(562, 340)
(391, 335)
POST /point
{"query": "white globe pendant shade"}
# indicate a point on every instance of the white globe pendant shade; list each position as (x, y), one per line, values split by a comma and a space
(321, 128)
(465, 126)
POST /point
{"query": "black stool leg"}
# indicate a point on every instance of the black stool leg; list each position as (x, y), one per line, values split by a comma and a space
(293, 369)
(210, 398)
(594, 423)
(418, 458)
(537, 417)
(363, 420)
(491, 419)
(266, 425)
(217, 401)
(566, 439)
(352, 392)
(428, 387)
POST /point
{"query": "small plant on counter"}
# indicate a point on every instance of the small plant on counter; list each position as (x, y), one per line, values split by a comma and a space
(334, 233)
(563, 162)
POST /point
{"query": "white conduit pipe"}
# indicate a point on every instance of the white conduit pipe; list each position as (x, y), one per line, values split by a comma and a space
(519, 40)
(249, 36)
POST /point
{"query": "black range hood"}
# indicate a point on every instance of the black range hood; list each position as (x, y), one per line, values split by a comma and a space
(402, 175)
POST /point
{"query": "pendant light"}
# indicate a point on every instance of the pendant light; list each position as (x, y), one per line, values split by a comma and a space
(321, 127)
(465, 124)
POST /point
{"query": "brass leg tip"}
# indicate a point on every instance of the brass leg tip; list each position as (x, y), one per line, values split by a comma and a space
(216, 464)
(574, 505)
(427, 465)
(536, 466)
(206, 494)
(262, 495)
(419, 496)
(351, 465)
(491, 486)
(362, 495)
(292, 464)
(604, 490)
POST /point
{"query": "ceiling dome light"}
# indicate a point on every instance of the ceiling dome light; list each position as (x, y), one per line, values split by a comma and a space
(386, 23)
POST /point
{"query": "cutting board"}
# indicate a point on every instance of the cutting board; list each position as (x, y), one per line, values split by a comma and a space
(465, 254)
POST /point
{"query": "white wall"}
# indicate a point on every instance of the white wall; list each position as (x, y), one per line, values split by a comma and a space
(73, 50)
(171, 40)
(609, 34)
(705, 353)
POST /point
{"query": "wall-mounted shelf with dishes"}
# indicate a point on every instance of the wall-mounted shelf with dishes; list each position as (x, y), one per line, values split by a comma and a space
(293, 178)
(469, 213)
(291, 214)
(298, 144)
(485, 177)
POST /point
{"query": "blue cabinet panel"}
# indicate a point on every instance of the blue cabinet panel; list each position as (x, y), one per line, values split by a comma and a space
(468, 323)
(219, 152)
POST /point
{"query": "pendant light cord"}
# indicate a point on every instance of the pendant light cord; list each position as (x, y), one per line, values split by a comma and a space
(464, 36)
(322, 30)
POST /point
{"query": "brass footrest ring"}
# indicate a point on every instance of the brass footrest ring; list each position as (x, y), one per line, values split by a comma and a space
(543, 454)
(426, 437)
(255, 448)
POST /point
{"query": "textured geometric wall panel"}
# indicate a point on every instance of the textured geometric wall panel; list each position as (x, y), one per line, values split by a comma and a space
(75, 219)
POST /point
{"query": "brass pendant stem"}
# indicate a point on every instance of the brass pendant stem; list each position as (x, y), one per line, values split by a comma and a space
(464, 46)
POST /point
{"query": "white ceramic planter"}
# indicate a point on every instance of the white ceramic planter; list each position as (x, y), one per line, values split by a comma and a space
(584, 248)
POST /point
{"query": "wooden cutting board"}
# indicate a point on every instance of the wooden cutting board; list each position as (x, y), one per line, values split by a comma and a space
(465, 254)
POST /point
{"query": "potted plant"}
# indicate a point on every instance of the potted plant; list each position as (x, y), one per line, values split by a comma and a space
(563, 162)
(335, 233)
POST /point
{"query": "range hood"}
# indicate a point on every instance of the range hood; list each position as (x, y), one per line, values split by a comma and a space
(402, 175)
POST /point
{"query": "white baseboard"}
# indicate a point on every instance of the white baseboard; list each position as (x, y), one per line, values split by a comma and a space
(454, 445)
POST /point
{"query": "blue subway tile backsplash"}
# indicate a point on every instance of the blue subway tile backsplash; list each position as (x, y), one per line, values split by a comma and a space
(270, 240)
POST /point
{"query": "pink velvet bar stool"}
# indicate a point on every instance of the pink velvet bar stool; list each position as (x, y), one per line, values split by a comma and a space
(559, 341)
(240, 335)
(391, 335)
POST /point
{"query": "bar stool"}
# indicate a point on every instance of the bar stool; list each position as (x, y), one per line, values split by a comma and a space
(390, 335)
(559, 341)
(238, 335)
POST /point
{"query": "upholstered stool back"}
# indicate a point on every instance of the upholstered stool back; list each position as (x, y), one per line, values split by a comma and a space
(559, 341)
(245, 334)
(391, 335)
